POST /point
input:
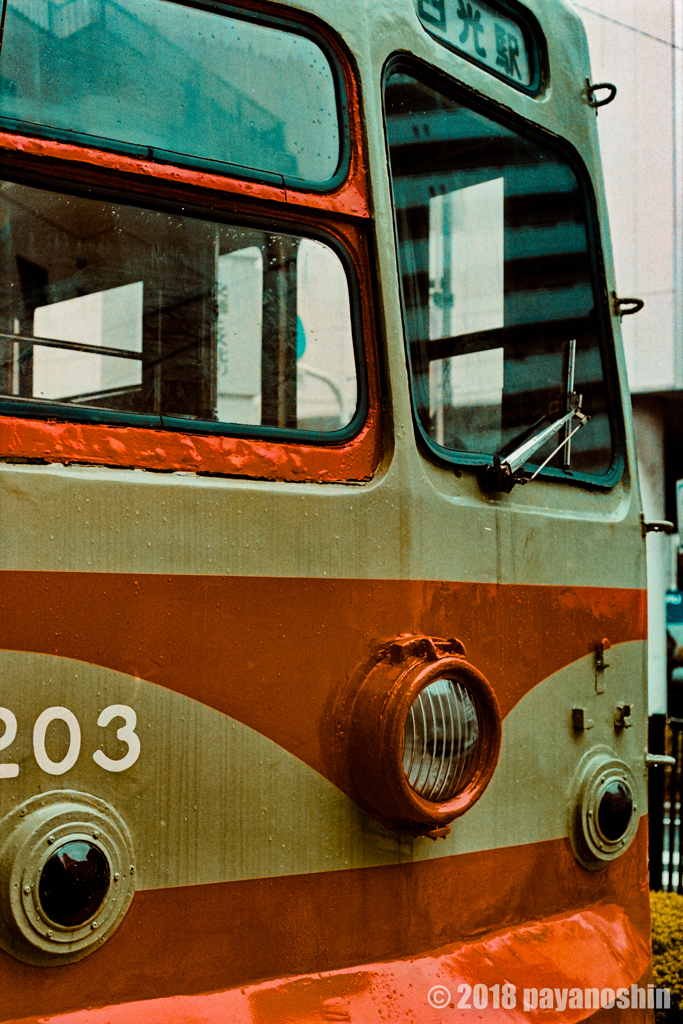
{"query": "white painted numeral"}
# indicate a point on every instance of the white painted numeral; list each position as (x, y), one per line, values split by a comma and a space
(126, 734)
(39, 731)
(8, 771)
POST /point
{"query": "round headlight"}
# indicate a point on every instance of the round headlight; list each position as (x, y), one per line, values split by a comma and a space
(441, 739)
(424, 734)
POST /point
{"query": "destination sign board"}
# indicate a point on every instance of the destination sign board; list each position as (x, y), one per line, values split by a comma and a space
(481, 32)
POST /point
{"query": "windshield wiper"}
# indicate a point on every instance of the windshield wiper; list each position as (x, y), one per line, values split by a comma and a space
(507, 471)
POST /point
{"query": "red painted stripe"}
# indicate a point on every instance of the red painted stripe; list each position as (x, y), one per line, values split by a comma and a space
(168, 450)
(349, 199)
(595, 948)
(276, 653)
(215, 937)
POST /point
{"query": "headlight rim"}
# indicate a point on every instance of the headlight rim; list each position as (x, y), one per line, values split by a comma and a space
(442, 812)
(377, 725)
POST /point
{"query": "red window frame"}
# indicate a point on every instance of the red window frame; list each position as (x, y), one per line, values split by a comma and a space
(343, 213)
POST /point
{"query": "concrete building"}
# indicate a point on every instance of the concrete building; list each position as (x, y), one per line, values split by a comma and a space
(638, 46)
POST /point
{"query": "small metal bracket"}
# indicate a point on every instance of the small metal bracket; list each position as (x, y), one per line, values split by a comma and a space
(655, 526)
(626, 307)
(429, 647)
(437, 833)
(579, 721)
(603, 660)
(422, 831)
(591, 90)
(622, 717)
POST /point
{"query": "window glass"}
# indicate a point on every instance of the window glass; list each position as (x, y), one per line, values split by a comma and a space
(496, 281)
(161, 76)
(109, 307)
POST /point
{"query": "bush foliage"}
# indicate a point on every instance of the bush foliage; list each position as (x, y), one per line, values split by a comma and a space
(667, 951)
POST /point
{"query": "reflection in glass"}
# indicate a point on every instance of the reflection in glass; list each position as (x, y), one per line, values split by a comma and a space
(109, 307)
(162, 76)
(496, 280)
(74, 883)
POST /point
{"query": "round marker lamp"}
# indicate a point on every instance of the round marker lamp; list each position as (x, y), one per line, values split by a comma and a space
(603, 808)
(67, 877)
(615, 810)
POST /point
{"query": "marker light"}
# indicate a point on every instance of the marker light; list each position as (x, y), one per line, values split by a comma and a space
(67, 877)
(424, 735)
(440, 740)
(603, 818)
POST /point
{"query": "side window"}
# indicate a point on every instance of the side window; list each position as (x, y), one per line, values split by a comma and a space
(242, 93)
(138, 315)
(501, 309)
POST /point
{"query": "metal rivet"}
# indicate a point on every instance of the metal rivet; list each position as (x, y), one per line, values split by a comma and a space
(116, 876)
(49, 933)
(50, 840)
(27, 889)
(132, 869)
(95, 925)
(96, 835)
(590, 814)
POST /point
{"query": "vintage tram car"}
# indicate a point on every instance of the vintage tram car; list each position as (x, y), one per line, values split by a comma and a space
(323, 671)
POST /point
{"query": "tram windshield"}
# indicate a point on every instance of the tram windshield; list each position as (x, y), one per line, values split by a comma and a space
(497, 282)
(111, 309)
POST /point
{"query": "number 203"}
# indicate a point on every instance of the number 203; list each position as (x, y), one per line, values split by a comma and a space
(126, 734)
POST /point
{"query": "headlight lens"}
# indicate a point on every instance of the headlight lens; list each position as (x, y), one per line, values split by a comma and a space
(441, 740)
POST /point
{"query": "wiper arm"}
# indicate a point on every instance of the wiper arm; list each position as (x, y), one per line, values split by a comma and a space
(507, 469)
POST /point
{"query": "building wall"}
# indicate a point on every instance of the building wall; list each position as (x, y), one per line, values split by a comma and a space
(638, 46)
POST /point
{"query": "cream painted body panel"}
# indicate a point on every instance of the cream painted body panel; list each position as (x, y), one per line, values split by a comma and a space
(415, 520)
(83, 519)
(210, 800)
